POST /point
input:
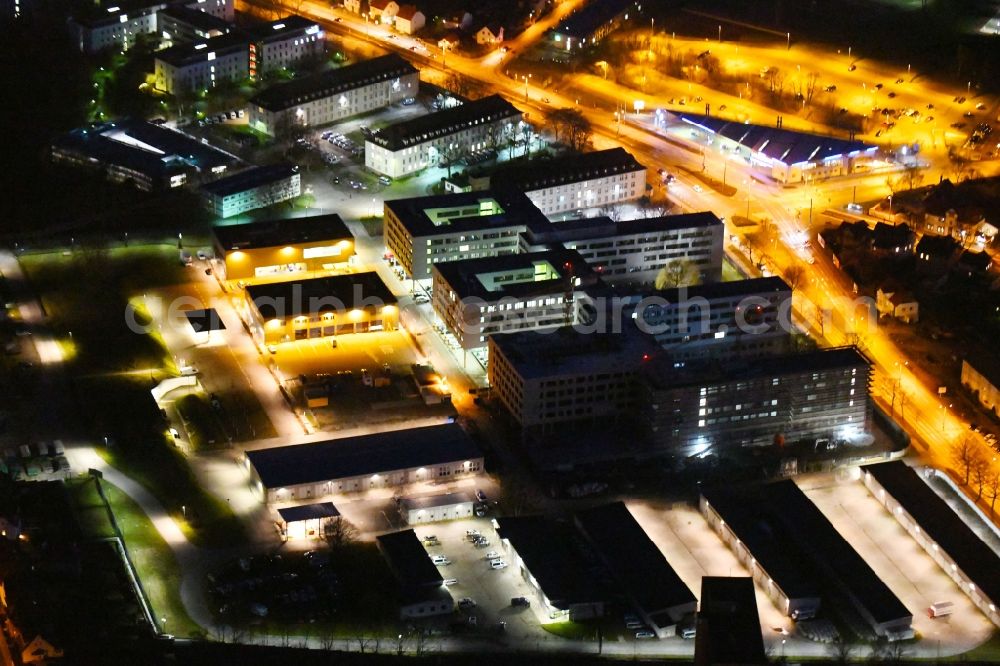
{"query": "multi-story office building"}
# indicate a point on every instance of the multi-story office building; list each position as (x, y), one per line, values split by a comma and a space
(744, 318)
(334, 94)
(178, 24)
(319, 307)
(412, 145)
(635, 252)
(200, 65)
(547, 380)
(254, 188)
(118, 25)
(476, 298)
(693, 407)
(284, 43)
(282, 249)
(572, 182)
(424, 231)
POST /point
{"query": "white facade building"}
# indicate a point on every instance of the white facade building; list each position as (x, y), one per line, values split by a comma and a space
(110, 26)
(201, 65)
(283, 43)
(435, 508)
(254, 188)
(413, 145)
(334, 94)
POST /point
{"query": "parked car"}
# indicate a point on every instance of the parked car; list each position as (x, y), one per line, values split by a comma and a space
(520, 601)
(441, 560)
(498, 564)
(645, 633)
(466, 602)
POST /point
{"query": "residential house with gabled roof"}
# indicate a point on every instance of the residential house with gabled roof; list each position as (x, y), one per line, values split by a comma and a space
(409, 19)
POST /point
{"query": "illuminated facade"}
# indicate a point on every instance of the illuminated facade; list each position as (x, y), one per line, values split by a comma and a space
(319, 307)
(334, 94)
(281, 249)
(283, 43)
(104, 27)
(257, 187)
(201, 65)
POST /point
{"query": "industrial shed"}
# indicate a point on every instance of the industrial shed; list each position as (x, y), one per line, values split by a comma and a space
(434, 508)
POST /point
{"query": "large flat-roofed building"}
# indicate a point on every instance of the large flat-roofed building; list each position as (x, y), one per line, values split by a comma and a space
(423, 593)
(412, 145)
(257, 187)
(635, 252)
(728, 627)
(334, 94)
(573, 182)
(178, 24)
(545, 555)
(147, 156)
(744, 318)
(284, 43)
(786, 156)
(277, 249)
(947, 538)
(200, 65)
(642, 573)
(319, 307)
(807, 540)
(476, 298)
(694, 407)
(424, 231)
(363, 462)
(434, 508)
(117, 25)
(547, 381)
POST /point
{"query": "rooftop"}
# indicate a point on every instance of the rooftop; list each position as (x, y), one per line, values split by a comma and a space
(786, 146)
(728, 630)
(516, 275)
(292, 514)
(566, 351)
(583, 22)
(665, 376)
(546, 547)
(941, 524)
(278, 233)
(181, 55)
(431, 501)
(527, 176)
(604, 227)
(937, 246)
(724, 290)
(331, 82)
(634, 560)
(204, 321)
(466, 211)
(443, 123)
(408, 561)
(250, 179)
(196, 18)
(363, 455)
(331, 293)
(282, 29)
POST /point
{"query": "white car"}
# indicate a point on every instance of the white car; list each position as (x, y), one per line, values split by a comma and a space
(441, 560)
(492, 555)
(696, 188)
(498, 564)
(450, 581)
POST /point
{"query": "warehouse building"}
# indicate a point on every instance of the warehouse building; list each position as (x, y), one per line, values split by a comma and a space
(423, 231)
(778, 519)
(352, 464)
(740, 319)
(319, 307)
(283, 44)
(476, 298)
(947, 538)
(307, 521)
(694, 407)
(637, 252)
(422, 588)
(728, 626)
(546, 382)
(189, 67)
(574, 182)
(436, 508)
(640, 570)
(334, 94)
(282, 248)
(546, 556)
(257, 187)
(413, 145)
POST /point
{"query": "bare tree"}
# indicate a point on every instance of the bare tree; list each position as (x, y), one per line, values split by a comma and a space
(339, 532)
(811, 80)
(614, 211)
(795, 276)
(993, 489)
(677, 273)
(980, 473)
(775, 80)
(965, 455)
(841, 651)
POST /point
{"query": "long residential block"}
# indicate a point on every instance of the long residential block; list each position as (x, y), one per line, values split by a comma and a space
(257, 187)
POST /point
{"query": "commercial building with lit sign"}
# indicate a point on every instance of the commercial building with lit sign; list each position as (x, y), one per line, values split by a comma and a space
(257, 187)
(282, 248)
(334, 94)
(319, 307)
(413, 145)
(364, 462)
(424, 231)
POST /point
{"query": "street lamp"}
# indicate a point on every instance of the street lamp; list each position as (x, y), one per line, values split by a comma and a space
(788, 41)
(526, 86)
(720, 33)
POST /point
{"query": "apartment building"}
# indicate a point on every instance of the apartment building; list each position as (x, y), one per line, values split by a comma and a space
(334, 94)
(118, 25)
(424, 231)
(477, 298)
(284, 43)
(694, 407)
(256, 187)
(178, 24)
(635, 252)
(546, 381)
(412, 145)
(574, 182)
(200, 65)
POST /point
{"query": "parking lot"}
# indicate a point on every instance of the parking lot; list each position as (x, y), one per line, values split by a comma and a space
(353, 352)
(898, 560)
